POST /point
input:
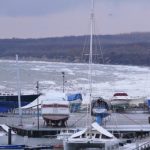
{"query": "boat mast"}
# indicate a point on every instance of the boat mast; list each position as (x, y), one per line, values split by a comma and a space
(91, 53)
(19, 91)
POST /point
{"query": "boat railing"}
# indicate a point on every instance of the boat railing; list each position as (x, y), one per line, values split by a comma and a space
(144, 146)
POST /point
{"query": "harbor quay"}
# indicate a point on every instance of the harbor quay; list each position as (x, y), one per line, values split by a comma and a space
(122, 125)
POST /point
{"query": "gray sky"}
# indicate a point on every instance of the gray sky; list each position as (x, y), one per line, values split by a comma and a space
(51, 18)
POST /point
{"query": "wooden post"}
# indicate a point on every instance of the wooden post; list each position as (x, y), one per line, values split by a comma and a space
(9, 136)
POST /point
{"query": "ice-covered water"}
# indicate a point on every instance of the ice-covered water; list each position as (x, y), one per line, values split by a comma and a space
(107, 79)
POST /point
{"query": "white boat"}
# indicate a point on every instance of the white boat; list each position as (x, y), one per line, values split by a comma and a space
(55, 113)
(92, 136)
(120, 99)
(97, 137)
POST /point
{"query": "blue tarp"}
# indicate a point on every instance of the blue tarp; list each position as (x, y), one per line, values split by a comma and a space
(99, 120)
(74, 107)
(73, 97)
(148, 102)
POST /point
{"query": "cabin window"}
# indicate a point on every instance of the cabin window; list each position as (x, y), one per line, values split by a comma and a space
(83, 135)
(77, 137)
(97, 136)
(71, 131)
(105, 137)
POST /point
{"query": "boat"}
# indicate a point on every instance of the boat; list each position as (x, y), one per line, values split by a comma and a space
(55, 112)
(75, 101)
(97, 137)
(93, 135)
(8, 102)
(66, 133)
(100, 109)
(120, 101)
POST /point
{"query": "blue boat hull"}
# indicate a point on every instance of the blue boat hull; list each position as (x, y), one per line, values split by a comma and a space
(12, 146)
(10, 102)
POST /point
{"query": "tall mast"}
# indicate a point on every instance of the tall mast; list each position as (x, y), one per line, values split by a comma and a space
(91, 53)
(91, 45)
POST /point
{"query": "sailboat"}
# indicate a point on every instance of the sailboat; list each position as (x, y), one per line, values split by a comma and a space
(93, 136)
(100, 109)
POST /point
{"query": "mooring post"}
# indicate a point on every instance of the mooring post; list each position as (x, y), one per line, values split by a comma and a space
(9, 136)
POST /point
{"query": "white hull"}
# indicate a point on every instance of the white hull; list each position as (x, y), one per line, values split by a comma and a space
(119, 102)
(90, 144)
(55, 113)
(95, 138)
(120, 98)
(52, 110)
(100, 111)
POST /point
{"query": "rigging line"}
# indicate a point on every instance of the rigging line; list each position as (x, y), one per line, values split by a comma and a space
(82, 116)
(115, 122)
(98, 46)
(84, 49)
(131, 119)
(101, 50)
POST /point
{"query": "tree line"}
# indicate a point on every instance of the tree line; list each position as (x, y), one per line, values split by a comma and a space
(129, 49)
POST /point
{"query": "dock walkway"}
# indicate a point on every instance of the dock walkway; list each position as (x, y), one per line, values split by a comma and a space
(129, 125)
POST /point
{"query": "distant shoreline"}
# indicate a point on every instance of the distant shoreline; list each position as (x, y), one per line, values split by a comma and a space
(122, 49)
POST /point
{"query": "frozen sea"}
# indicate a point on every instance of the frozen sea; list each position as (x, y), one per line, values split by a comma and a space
(107, 79)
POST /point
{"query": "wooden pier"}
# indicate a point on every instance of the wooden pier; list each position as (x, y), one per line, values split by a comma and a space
(121, 125)
(41, 132)
(121, 131)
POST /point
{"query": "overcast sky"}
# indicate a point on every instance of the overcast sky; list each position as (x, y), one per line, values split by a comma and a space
(52, 18)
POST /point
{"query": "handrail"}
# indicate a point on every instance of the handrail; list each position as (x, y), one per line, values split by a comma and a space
(142, 146)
